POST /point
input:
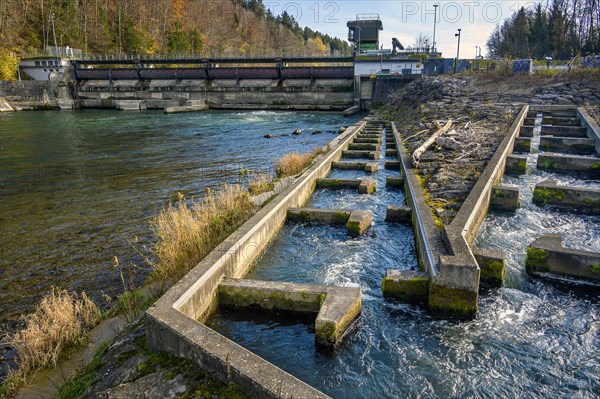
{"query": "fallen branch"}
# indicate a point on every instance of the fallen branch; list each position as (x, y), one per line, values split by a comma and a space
(416, 134)
(419, 151)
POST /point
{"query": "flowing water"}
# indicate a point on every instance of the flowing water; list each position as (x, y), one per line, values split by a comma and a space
(531, 338)
(77, 187)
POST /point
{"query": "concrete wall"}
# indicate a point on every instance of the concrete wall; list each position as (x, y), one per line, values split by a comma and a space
(36, 94)
(593, 130)
(172, 323)
(457, 285)
(336, 95)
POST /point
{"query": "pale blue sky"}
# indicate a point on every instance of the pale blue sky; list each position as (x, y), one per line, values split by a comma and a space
(406, 19)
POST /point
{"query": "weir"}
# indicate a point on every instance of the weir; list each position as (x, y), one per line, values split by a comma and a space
(189, 85)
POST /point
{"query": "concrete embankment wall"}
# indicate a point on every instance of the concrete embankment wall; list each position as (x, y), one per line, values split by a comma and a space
(326, 95)
(172, 323)
(36, 94)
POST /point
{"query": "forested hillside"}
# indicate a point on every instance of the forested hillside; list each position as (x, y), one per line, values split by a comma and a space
(153, 26)
(560, 29)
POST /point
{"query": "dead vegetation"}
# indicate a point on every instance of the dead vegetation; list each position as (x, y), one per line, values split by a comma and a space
(187, 232)
(293, 163)
(60, 322)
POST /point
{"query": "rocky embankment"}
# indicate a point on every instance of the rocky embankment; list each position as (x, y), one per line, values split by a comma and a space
(482, 109)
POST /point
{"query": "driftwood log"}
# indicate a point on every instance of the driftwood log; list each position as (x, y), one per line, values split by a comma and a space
(421, 150)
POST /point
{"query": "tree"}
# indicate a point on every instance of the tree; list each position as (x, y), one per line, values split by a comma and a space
(421, 41)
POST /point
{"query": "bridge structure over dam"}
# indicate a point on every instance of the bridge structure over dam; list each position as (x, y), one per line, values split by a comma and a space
(134, 83)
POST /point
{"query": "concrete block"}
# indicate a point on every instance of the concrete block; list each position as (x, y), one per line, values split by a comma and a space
(392, 165)
(449, 302)
(505, 197)
(337, 307)
(394, 182)
(318, 215)
(515, 165)
(529, 121)
(359, 222)
(492, 265)
(570, 164)
(407, 286)
(526, 131)
(338, 184)
(391, 153)
(399, 214)
(584, 200)
(367, 186)
(127, 105)
(186, 108)
(522, 144)
(547, 255)
(568, 145)
(371, 167)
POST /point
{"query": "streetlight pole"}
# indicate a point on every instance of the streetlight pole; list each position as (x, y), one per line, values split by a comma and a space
(435, 6)
(457, 49)
(359, 29)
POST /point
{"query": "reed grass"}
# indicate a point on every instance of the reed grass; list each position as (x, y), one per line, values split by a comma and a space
(188, 232)
(260, 183)
(294, 163)
(58, 323)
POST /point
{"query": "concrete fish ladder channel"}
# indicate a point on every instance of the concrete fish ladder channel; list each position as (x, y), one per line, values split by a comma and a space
(448, 282)
(174, 323)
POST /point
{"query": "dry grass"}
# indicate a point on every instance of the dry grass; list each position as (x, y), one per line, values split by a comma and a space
(260, 183)
(186, 234)
(293, 163)
(60, 321)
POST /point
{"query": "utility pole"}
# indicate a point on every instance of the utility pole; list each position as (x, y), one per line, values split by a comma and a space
(457, 50)
(435, 6)
(54, 34)
(359, 29)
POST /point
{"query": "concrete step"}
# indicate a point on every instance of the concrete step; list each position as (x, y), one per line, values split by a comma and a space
(522, 144)
(526, 131)
(364, 147)
(547, 255)
(392, 165)
(391, 153)
(564, 113)
(360, 154)
(570, 164)
(568, 145)
(515, 165)
(529, 121)
(364, 186)
(585, 200)
(360, 140)
(564, 131)
(556, 121)
(368, 167)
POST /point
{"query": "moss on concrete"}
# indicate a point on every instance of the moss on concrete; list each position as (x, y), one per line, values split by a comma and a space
(453, 303)
(414, 290)
(492, 272)
(546, 195)
(595, 167)
(595, 268)
(537, 260)
(522, 165)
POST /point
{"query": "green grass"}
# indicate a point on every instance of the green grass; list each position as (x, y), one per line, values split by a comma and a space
(77, 386)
